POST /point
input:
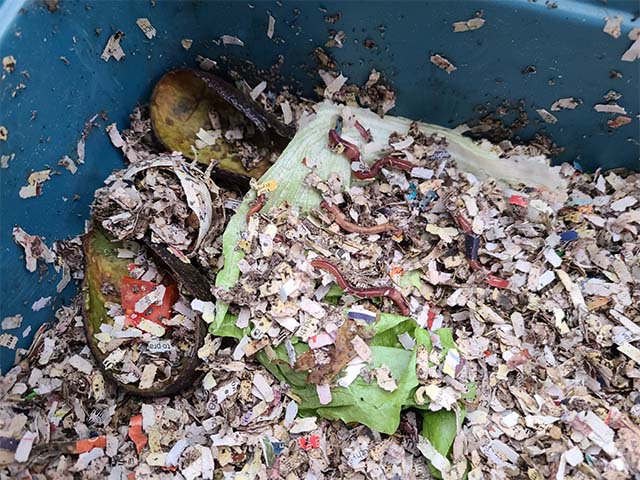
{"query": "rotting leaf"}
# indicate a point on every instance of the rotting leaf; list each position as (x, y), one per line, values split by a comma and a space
(340, 353)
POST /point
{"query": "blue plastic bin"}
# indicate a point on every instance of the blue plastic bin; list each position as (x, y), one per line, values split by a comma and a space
(66, 83)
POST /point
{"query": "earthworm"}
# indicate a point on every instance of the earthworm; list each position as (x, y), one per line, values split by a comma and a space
(350, 150)
(353, 154)
(257, 205)
(395, 162)
(391, 293)
(475, 265)
(364, 133)
(342, 221)
(464, 223)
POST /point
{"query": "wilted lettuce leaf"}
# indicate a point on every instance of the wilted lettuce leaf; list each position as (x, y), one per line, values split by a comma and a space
(441, 428)
(361, 402)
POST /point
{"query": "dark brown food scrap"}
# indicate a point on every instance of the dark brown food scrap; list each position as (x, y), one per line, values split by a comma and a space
(324, 58)
(370, 44)
(546, 144)
(340, 353)
(377, 96)
(333, 18)
(612, 96)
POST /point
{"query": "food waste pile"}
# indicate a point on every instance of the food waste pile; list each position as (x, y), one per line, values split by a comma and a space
(274, 287)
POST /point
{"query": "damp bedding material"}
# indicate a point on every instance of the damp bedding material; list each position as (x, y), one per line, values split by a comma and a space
(490, 328)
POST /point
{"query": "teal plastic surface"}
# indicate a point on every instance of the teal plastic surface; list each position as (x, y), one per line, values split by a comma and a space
(566, 45)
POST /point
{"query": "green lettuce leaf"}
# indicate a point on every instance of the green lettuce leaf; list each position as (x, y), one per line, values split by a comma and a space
(361, 402)
(441, 428)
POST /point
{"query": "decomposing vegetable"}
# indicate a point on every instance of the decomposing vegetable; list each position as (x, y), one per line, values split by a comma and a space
(207, 119)
(107, 282)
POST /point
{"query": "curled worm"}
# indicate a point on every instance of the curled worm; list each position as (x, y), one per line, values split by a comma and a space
(345, 224)
(391, 293)
(257, 205)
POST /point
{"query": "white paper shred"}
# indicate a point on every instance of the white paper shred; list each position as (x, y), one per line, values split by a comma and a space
(632, 53)
(545, 279)
(208, 309)
(290, 413)
(154, 297)
(612, 26)
(468, 25)
(24, 447)
(34, 182)
(40, 303)
(8, 341)
(443, 63)
(406, 341)
(609, 108)
(385, 379)
(81, 364)
(552, 257)
(568, 103)
(231, 40)
(451, 362)
(113, 49)
(151, 327)
(354, 367)
(335, 86)
(574, 456)
(9, 63)
(287, 114)
(146, 27)
(258, 89)
(302, 425)
(176, 451)
(80, 148)
(9, 323)
(5, 159)
(114, 135)
(148, 376)
(84, 459)
(148, 416)
(324, 394)
(68, 163)
(271, 27)
(207, 137)
(34, 248)
(546, 116)
(438, 460)
(601, 434)
(500, 453)
(624, 203)
(261, 384)
(630, 351)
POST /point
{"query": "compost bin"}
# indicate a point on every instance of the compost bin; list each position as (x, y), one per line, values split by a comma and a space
(452, 109)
